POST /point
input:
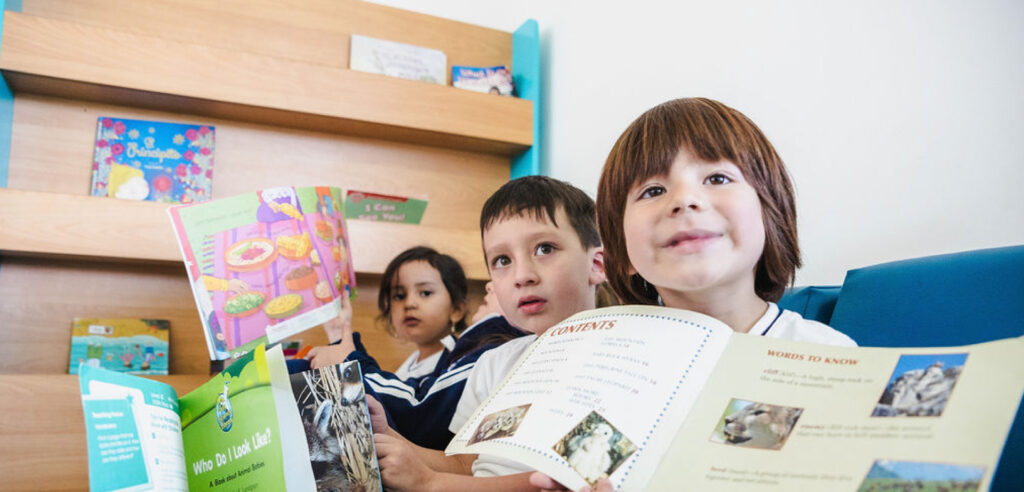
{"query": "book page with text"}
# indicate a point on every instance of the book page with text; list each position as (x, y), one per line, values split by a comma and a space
(133, 432)
(783, 415)
(599, 395)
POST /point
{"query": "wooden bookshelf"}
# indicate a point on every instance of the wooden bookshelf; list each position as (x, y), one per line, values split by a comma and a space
(274, 82)
(104, 229)
(273, 79)
(50, 56)
(42, 429)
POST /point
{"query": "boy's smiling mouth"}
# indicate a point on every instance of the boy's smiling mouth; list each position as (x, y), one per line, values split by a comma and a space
(531, 304)
(690, 241)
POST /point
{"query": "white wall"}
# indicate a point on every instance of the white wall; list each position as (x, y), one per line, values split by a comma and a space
(901, 122)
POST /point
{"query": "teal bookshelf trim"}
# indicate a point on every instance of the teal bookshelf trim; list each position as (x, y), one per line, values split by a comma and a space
(526, 77)
(6, 104)
(6, 115)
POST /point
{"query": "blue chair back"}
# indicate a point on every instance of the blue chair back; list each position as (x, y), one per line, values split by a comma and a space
(946, 300)
(813, 302)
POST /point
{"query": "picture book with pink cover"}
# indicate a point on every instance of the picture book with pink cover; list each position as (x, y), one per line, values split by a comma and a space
(265, 265)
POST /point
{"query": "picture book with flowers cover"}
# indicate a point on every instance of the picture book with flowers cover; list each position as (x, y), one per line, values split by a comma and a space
(152, 160)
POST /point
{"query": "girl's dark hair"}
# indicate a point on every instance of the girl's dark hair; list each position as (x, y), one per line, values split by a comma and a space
(452, 276)
(712, 132)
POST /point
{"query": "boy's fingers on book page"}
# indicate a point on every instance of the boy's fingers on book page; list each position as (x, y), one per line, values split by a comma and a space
(378, 418)
(400, 468)
(544, 482)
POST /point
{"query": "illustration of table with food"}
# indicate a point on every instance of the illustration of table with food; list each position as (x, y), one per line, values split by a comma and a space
(265, 265)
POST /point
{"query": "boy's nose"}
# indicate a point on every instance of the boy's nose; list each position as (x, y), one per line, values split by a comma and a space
(687, 198)
(526, 274)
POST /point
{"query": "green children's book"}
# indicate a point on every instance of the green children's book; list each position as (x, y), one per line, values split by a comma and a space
(241, 430)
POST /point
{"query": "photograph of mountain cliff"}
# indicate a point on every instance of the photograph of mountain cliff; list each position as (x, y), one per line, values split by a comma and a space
(920, 385)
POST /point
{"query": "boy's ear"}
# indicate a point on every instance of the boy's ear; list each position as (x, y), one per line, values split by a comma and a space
(597, 275)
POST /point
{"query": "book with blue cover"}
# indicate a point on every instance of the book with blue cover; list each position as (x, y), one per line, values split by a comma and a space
(493, 80)
(152, 160)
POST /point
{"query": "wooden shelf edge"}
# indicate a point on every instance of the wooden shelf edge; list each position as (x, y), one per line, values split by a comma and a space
(65, 59)
(42, 384)
(45, 224)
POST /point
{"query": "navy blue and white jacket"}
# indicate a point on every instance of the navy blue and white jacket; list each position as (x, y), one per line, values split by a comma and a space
(420, 409)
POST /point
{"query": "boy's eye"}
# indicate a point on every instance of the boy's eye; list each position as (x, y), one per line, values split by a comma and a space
(500, 261)
(718, 179)
(398, 296)
(544, 249)
(426, 293)
(652, 191)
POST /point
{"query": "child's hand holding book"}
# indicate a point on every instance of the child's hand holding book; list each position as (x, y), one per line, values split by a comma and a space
(547, 484)
(337, 330)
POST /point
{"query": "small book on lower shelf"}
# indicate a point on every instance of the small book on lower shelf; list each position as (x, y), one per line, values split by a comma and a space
(654, 398)
(251, 426)
(129, 345)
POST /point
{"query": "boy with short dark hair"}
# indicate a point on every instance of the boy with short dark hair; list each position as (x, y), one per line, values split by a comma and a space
(545, 258)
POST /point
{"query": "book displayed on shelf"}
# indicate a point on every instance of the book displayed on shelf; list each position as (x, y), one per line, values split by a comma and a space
(653, 398)
(129, 345)
(242, 429)
(491, 80)
(363, 205)
(404, 61)
(152, 160)
(265, 265)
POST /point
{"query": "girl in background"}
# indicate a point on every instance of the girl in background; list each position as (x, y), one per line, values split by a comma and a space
(422, 299)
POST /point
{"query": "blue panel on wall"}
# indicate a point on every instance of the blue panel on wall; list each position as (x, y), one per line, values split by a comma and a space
(6, 115)
(526, 76)
(6, 104)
